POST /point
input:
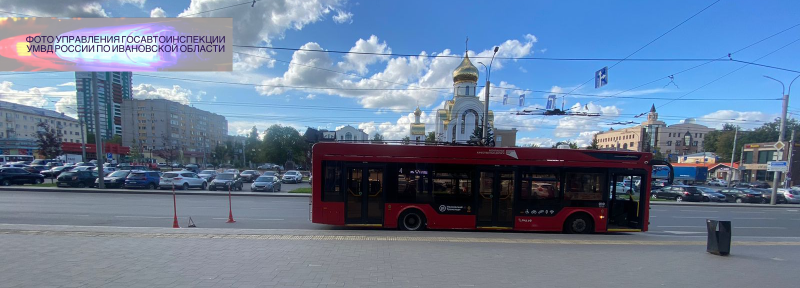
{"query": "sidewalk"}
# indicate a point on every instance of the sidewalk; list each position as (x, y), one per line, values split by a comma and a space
(146, 257)
(153, 192)
(716, 204)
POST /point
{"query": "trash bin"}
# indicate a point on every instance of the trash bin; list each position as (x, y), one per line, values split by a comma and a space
(719, 237)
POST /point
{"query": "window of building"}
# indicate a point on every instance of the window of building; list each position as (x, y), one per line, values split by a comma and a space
(695, 143)
(584, 186)
(669, 143)
(765, 156)
(748, 157)
(687, 139)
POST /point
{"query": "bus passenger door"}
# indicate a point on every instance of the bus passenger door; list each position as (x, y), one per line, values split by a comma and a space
(364, 195)
(625, 202)
(495, 200)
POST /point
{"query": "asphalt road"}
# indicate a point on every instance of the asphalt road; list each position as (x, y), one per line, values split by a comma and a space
(207, 211)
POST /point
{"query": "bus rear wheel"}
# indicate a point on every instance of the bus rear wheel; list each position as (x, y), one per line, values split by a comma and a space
(412, 221)
(579, 224)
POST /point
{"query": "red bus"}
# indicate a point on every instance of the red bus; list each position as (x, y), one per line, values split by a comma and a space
(480, 188)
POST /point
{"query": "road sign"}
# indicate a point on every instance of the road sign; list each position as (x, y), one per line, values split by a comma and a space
(778, 166)
(109, 156)
(601, 77)
(779, 145)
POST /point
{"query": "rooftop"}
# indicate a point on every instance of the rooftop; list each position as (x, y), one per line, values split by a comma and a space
(34, 110)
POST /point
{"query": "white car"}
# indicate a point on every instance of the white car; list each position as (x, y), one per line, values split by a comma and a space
(182, 180)
(792, 195)
(292, 176)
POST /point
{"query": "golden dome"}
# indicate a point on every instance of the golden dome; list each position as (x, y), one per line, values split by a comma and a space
(465, 72)
(417, 112)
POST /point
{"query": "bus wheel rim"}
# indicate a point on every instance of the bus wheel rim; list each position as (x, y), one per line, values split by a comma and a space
(412, 221)
(578, 225)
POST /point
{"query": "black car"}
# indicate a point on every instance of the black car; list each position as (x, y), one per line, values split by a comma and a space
(742, 195)
(78, 179)
(249, 176)
(226, 181)
(679, 193)
(116, 179)
(37, 169)
(55, 171)
(760, 184)
(767, 196)
(10, 176)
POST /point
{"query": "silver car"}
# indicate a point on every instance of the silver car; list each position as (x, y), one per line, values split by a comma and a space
(292, 176)
(792, 195)
(266, 183)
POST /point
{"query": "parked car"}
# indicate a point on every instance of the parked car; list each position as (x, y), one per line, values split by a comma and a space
(760, 184)
(132, 168)
(249, 175)
(792, 196)
(679, 193)
(717, 182)
(271, 173)
(78, 179)
(208, 175)
(54, 164)
(10, 176)
(14, 165)
(43, 162)
(192, 167)
(35, 168)
(767, 196)
(116, 179)
(292, 176)
(142, 179)
(182, 180)
(711, 195)
(84, 168)
(55, 171)
(743, 185)
(741, 195)
(266, 183)
(234, 171)
(226, 181)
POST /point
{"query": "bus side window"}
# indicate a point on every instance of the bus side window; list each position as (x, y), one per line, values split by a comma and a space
(332, 182)
(584, 186)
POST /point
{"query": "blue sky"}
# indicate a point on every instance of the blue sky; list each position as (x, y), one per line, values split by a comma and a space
(558, 29)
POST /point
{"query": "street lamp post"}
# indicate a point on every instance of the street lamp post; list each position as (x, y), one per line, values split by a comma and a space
(486, 98)
(784, 107)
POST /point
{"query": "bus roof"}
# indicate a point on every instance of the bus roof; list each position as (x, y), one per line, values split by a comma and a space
(483, 155)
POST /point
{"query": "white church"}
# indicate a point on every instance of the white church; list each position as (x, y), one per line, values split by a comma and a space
(457, 121)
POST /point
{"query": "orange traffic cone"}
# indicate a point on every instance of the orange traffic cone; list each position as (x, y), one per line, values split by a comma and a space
(175, 210)
(230, 207)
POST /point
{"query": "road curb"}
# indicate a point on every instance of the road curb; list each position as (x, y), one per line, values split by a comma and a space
(711, 204)
(140, 192)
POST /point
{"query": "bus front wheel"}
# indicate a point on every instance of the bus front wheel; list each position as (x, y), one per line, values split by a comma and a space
(579, 224)
(412, 221)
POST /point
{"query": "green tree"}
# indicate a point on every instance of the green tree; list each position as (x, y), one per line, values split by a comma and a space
(593, 145)
(406, 140)
(48, 142)
(253, 144)
(534, 145)
(283, 143)
(377, 138)
(477, 133)
(89, 138)
(430, 137)
(116, 139)
(219, 155)
(658, 155)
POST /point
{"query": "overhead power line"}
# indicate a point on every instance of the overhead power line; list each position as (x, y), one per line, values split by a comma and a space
(648, 44)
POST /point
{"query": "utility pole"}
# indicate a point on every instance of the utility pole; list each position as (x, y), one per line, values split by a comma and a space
(789, 162)
(83, 137)
(98, 138)
(777, 175)
(733, 154)
(244, 152)
(485, 135)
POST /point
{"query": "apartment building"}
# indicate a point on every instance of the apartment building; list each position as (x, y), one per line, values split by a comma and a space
(20, 127)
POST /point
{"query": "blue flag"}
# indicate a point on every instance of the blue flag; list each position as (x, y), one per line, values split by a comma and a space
(522, 100)
(551, 102)
(505, 99)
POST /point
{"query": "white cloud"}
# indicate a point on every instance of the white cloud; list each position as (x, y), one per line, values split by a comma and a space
(251, 60)
(402, 84)
(242, 127)
(342, 17)
(61, 8)
(573, 127)
(266, 20)
(543, 142)
(67, 84)
(311, 96)
(747, 119)
(149, 91)
(400, 128)
(68, 106)
(158, 13)
(35, 96)
(138, 3)
(359, 62)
